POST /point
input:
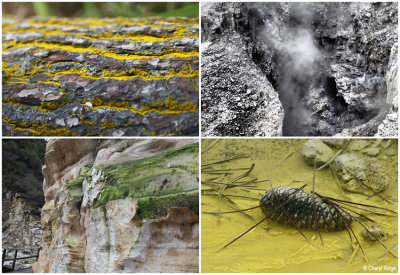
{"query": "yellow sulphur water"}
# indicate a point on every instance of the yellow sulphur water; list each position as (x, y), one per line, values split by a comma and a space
(283, 249)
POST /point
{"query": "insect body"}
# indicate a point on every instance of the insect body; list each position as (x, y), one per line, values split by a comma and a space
(299, 206)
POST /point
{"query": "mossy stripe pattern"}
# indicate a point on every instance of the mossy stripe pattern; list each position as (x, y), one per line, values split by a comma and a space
(169, 173)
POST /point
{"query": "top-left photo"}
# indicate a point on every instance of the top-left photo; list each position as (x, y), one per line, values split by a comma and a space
(100, 69)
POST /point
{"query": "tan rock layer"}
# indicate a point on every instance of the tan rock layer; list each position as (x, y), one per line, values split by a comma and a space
(112, 238)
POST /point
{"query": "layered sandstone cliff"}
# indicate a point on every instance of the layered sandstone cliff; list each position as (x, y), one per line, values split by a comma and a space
(120, 206)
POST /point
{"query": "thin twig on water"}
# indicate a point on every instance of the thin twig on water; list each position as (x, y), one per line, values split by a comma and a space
(224, 186)
(314, 209)
(206, 171)
(225, 160)
(285, 158)
(233, 196)
(335, 155)
(209, 146)
(353, 255)
(216, 173)
(233, 204)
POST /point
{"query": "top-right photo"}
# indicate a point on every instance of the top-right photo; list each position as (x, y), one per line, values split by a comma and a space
(299, 69)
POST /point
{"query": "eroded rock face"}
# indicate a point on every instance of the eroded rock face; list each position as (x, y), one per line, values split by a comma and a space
(110, 77)
(361, 174)
(332, 64)
(120, 206)
(237, 98)
(360, 165)
(21, 228)
(20, 223)
(316, 151)
(389, 125)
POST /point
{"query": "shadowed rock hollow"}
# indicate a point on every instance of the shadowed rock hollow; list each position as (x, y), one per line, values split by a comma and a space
(299, 69)
(110, 77)
(120, 206)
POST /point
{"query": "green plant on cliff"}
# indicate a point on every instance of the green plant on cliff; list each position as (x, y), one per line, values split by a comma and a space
(22, 168)
(148, 176)
(156, 207)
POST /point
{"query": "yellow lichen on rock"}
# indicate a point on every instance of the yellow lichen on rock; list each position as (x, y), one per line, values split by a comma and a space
(58, 70)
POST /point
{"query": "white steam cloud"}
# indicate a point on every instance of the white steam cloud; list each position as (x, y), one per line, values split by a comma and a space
(302, 51)
(298, 63)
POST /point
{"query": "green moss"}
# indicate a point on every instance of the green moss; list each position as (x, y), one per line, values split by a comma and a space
(71, 242)
(146, 177)
(191, 167)
(76, 192)
(157, 207)
(86, 170)
(75, 183)
(108, 234)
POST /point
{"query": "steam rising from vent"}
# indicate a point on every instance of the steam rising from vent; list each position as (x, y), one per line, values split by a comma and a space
(330, 64)
(315, 55)
(302, 52)
(299, 63)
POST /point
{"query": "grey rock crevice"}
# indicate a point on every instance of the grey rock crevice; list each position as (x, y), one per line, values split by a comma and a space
(21, 229)
(333, 65)
(237, 98)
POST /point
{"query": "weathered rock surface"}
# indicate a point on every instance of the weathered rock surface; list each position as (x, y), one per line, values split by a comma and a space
(360, 174)
(334, 66)
(120, 206)
(389, 126)
(237, 99)
(316, 151)
(21, 228)
(377, 233)
(110, 77)
(360, 165)
(334, 142)
(20, 223)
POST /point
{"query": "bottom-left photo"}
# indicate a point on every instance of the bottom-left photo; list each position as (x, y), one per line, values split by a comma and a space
(100, 205)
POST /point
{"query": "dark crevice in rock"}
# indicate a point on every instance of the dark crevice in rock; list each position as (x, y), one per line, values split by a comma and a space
(328, 62)
(297, 54)
(237, 98)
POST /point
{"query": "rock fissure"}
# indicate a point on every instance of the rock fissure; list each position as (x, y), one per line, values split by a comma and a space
(330, 64)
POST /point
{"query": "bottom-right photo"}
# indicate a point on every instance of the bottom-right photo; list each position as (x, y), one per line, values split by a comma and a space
(299, 205)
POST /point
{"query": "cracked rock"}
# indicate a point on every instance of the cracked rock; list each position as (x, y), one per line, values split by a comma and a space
(65, 85)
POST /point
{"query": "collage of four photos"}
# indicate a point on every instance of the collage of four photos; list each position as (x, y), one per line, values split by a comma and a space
(200, 137)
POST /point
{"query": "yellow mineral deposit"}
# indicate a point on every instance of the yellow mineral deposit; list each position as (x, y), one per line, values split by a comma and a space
(275, 248)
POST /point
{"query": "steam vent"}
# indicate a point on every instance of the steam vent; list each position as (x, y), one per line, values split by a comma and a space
(126, 205)
(92, 77)
(299, 69)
